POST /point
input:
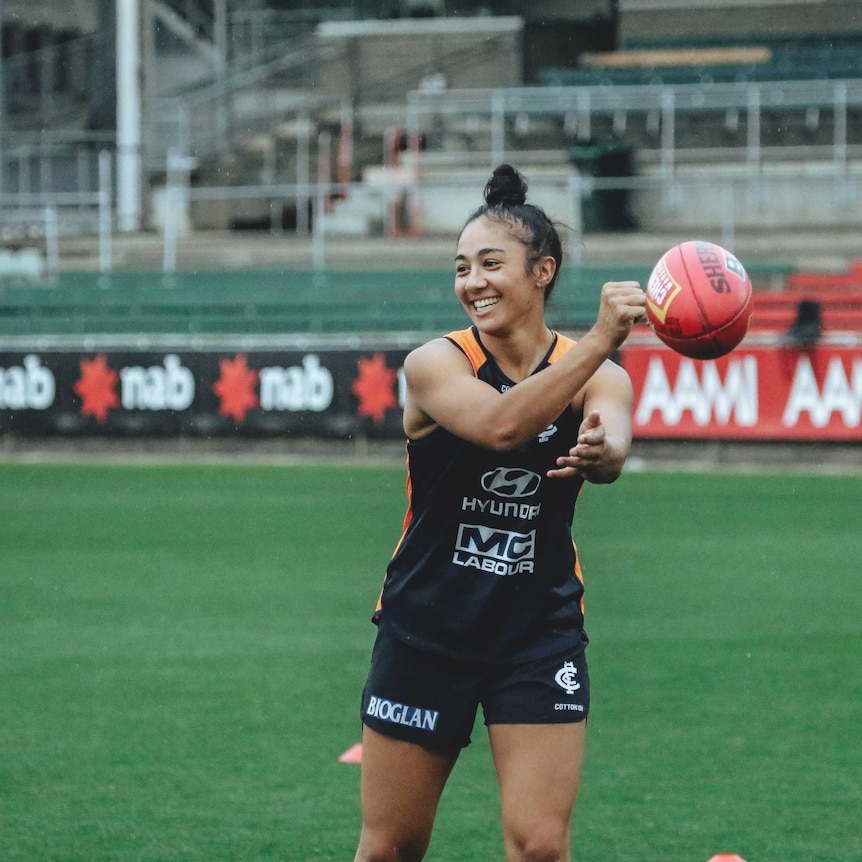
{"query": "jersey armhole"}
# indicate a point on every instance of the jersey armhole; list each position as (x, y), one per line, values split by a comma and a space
(465, 340)
(563, 346)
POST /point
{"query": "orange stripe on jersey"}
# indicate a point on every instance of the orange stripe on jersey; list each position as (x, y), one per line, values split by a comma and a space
(408, 517)
(467, 341)
(563, 345)
(579, 574)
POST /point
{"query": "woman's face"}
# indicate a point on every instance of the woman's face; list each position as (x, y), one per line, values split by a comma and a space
(491, 277)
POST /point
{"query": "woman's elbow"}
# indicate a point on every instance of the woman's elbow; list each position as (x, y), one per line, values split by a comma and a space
(502, 442)
(503, 437)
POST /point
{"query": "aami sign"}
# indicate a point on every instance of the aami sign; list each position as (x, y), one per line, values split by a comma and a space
(766, 393)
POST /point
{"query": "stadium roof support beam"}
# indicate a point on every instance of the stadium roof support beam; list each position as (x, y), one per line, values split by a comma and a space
(183, 30)
(2, 102)
(129, 116)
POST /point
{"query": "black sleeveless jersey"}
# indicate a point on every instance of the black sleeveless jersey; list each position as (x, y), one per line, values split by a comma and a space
(486, 567)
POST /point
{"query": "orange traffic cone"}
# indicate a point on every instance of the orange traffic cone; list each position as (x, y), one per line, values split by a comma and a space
(352, 755)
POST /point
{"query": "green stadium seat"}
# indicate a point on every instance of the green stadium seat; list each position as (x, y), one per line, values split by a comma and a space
(280, 302)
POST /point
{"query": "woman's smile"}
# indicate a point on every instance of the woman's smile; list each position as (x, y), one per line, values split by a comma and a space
(486, 302)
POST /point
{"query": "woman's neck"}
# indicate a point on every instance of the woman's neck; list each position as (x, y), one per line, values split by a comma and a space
(519, 353)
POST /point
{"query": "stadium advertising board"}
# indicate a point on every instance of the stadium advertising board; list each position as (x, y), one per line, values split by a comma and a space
(757, 393)
(201, 393)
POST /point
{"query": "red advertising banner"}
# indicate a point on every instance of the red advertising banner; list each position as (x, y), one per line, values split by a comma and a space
(756, 393)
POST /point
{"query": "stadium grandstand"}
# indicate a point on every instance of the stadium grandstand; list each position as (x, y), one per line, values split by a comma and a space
(224, 226)
(287, 144)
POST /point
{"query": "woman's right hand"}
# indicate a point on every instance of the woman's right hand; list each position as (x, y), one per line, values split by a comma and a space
(622, 304)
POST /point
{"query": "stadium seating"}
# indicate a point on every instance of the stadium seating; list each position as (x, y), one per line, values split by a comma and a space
(826, 58)
(276, 302)
(777, 311)
(253, 302)
(839, 295)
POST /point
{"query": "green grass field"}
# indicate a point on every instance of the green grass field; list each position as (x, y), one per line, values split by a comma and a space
(182, 650)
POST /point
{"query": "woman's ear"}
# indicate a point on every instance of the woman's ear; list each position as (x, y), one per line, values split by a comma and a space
(545, 269)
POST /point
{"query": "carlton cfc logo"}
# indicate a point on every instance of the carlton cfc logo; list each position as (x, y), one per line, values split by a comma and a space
(567, 678)
(511, 482)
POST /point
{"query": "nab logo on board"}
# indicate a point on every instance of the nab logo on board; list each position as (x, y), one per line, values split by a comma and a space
(301, 387)
(169, 386)
(29, 386)
(308, 386)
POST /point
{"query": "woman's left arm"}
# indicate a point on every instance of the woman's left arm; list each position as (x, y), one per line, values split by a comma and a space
(605, 435)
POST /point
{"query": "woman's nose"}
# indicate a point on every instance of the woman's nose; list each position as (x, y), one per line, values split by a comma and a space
(475, 278)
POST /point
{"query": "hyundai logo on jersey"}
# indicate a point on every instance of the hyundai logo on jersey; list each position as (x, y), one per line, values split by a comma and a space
(511, 482)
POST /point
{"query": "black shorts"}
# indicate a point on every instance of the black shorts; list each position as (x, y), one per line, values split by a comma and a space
(432, 700)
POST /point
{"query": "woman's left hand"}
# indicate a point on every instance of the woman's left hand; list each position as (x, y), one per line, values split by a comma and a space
(594, 456)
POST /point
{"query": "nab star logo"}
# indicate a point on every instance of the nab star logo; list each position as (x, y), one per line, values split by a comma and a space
(97, 387)
(235, 387)
(374, 387)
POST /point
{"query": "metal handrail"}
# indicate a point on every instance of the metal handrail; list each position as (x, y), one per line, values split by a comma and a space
(637, 97)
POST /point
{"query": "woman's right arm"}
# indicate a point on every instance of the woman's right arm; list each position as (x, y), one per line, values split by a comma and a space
(442, 390)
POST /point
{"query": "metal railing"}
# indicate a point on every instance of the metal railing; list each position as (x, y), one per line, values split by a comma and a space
(724, 202)
(579, 110)
(258, 36)
(48, 162)
(745, 184)
(42, 217)
(208, 120)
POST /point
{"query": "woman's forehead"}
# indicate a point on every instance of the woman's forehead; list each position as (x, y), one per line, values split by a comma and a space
(485, 233)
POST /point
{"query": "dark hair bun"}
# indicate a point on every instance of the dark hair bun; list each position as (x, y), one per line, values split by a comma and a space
(506, 187)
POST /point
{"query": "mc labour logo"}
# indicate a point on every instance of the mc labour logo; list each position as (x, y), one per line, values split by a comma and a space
(567, 678)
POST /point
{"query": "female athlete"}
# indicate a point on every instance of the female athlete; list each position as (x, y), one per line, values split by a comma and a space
(482, 601)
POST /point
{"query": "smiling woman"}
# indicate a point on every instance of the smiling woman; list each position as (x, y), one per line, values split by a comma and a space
(483, 599)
